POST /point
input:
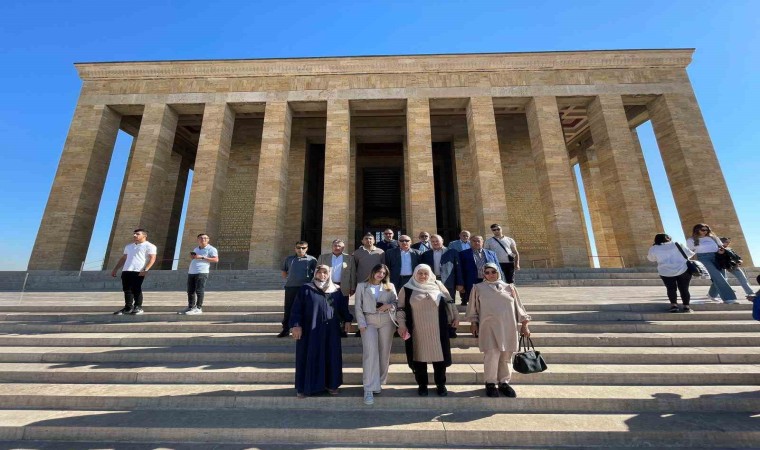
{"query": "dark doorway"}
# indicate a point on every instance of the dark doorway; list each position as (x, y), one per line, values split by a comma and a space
(445, 180)
(379, 188)
(313, 194)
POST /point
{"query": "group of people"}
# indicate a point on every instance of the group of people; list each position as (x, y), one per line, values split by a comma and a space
(715, 254)
(405, 289)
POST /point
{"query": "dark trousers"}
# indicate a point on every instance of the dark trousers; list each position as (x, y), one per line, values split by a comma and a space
(196, 287)
(468, 289)
(131, 284)
(509, 271)
(404, 279)
(421, 373)
(290, 297)
(680, 283)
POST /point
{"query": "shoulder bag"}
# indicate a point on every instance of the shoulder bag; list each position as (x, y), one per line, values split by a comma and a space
(528, 359)
(695, 268)
(508, 252)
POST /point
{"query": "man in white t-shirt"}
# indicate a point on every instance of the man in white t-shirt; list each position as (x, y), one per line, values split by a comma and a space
(137, 260)
(197, 274)
(506, 250)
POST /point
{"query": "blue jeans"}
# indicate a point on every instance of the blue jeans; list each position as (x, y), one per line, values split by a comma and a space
(739, 274)
(717, 276)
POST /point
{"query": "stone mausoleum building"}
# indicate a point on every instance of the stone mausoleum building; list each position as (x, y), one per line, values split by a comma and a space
(325, 148)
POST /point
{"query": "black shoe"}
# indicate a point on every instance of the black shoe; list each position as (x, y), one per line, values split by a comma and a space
(673, 308)
(464, 303)
(687, 309)
(136, 311)
(452, 333)
(422, 391)
(122, 311)
(358, 333)
(441, 391)
(284, 333)
(491, 390)
(507, 390)
(343, 334)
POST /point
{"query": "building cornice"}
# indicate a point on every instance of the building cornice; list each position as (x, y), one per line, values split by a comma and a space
(490, 62)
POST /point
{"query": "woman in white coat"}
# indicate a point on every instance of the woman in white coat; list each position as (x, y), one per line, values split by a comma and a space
(375, 301)
(494, 311)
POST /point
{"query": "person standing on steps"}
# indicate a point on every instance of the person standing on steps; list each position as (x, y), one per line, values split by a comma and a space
(706, 245)
(423, 244)
(297, 270)
(672, 268)
(732, 262)
(472, 262)
(387, 242)
(197, 274)
(343, 270)
(506, 250)
(401, 261)
(494, 311)
(138, 258)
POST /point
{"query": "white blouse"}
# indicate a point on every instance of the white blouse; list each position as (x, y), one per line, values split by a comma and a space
(707, 244)
(670, 262)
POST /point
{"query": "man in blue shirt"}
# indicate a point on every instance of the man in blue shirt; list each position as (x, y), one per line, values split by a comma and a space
(297, 270)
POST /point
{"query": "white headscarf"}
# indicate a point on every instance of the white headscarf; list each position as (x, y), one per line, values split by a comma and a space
(498, 285)
(430, 287)
(327, 286)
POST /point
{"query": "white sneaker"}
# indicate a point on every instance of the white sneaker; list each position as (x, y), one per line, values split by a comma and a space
(731, 302)
(368, 398)
(184, 311)
(715, 299)
(194, 311)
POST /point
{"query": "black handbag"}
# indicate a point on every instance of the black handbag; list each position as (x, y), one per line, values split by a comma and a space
(528, 359)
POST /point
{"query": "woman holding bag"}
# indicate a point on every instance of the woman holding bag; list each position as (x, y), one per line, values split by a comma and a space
(671, 259)
(706, 245)
(494, 310)
(375, 302)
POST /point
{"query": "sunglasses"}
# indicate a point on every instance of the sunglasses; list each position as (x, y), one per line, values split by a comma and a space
(302, 248)
(490, 272)
(495, 229)
(405, 240)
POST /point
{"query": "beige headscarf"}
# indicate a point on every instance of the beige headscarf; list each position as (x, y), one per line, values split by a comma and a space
(431, 287)
(498, 285)
(327, 286)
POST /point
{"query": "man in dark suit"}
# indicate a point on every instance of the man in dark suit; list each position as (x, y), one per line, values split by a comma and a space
(424, 244)
(472, 261)
(401, 261)
(445, 264)
(387, 242)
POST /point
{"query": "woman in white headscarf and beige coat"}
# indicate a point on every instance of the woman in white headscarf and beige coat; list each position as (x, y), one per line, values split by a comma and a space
(425, 311)
(494, 311)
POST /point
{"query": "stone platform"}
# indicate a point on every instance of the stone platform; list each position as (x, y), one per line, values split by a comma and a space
(622, 373)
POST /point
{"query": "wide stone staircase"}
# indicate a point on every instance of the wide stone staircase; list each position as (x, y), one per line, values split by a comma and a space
(622, 372)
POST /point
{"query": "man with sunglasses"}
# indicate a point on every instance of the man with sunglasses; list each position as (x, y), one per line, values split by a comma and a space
(472, 261)
(401, 261)
(506, 250)
(387, 242)
(424, 244)
(297, 270)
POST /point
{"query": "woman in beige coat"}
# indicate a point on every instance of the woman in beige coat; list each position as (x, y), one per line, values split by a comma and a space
(494, 311)
(375, 302)
(425, 311)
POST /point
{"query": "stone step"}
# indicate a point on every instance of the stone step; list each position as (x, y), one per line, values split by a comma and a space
(55, 305)
(598, 374)
(438, 428)
(531, 398)
(536, 327)
(267, 339)
(276, 316)
(352, 354)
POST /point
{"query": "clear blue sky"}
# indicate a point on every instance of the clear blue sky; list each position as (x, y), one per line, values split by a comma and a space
(41, 40)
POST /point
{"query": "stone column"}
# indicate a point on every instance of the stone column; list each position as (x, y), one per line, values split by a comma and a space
(67, 224)
(697, 182)
(294, 214)
(488, 182)
(623, 183)
(338, 178)
(418, 158)
(116, 244)
(647, 181)
(467, 214)
(209, 178)
(562, 211)
(174, 196)
(601, 223)
(271, 187)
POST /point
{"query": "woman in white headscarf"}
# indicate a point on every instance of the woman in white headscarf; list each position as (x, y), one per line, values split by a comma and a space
(425, 311)
(494, 311)
(315, 321)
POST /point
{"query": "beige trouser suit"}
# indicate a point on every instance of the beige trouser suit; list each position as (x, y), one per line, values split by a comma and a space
(377, 338)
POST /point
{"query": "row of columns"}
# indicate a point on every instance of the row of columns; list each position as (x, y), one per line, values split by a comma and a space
(624, 213)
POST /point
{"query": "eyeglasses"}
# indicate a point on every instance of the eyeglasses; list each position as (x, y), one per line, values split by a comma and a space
(301, 248)
(405, 240)
(490, 272)
(496, 229)
(704, 229)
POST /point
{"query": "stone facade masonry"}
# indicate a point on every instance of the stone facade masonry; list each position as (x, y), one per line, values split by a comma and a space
(514, 124)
